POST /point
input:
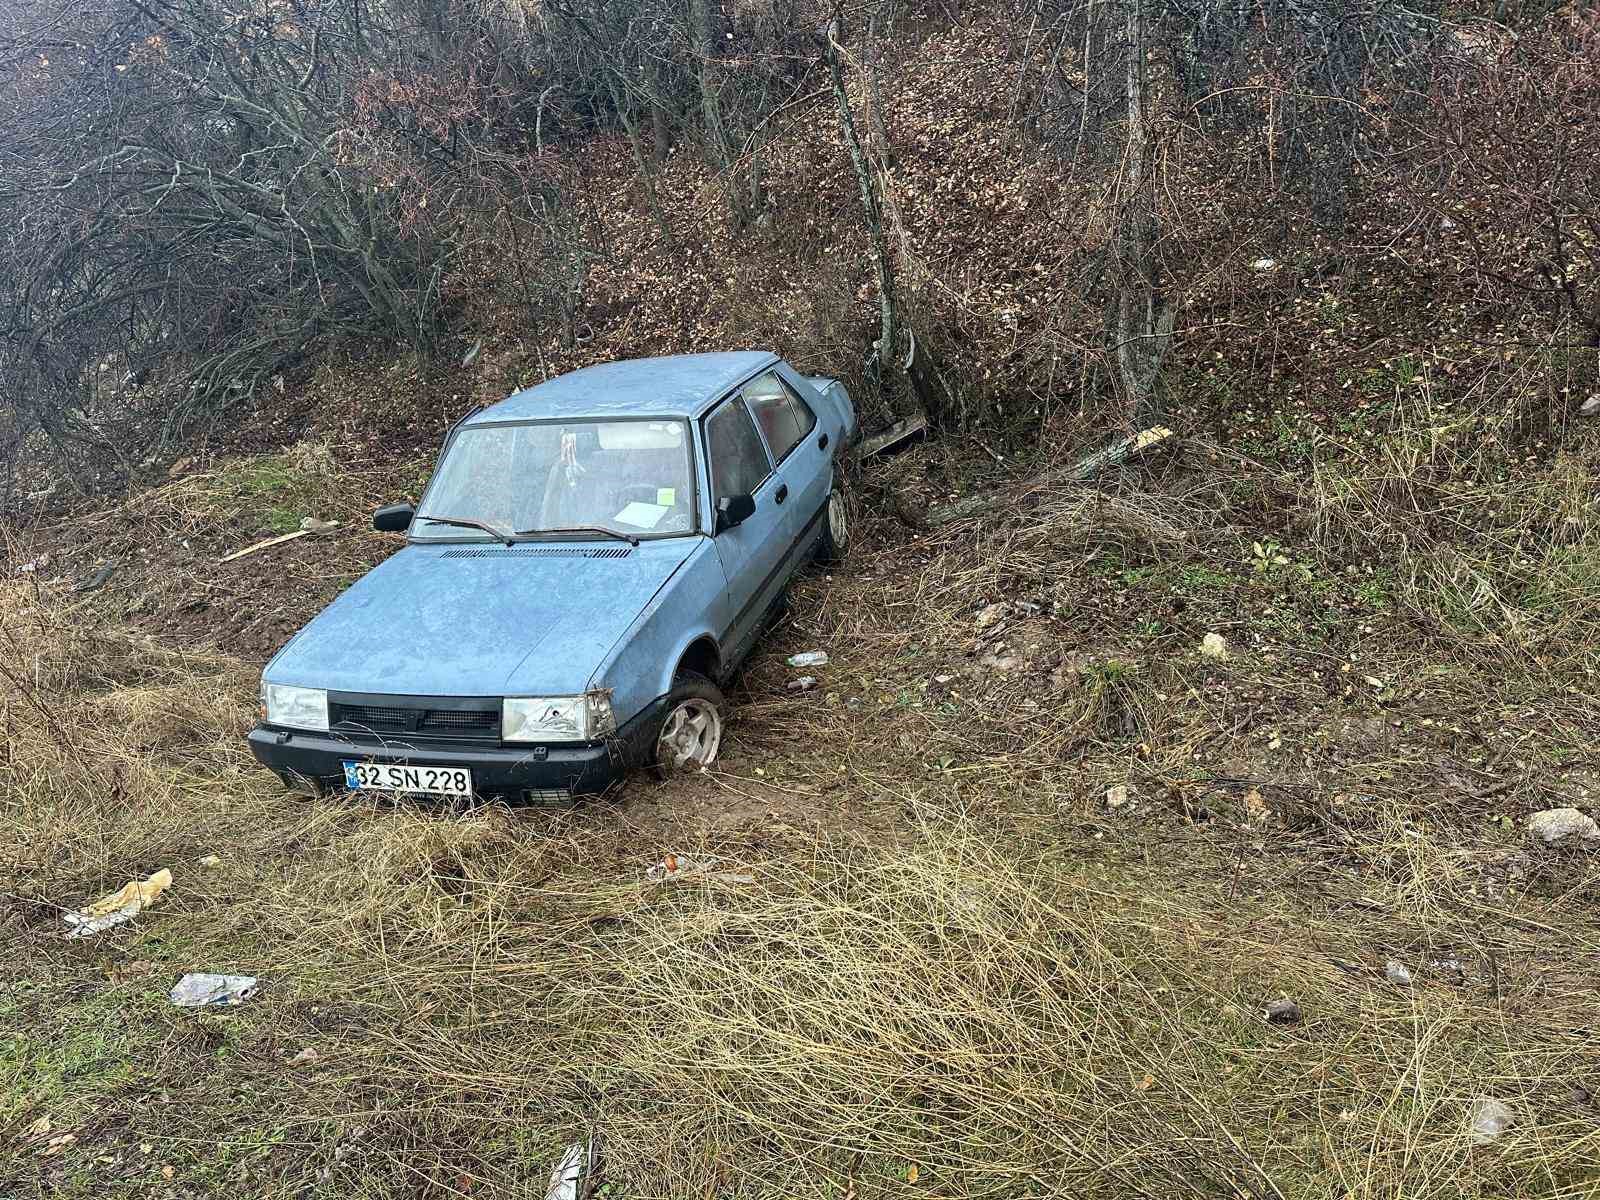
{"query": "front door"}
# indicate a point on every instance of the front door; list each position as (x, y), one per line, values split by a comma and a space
(752, 553)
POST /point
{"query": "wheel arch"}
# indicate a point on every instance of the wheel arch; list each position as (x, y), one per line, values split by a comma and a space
(702, 656)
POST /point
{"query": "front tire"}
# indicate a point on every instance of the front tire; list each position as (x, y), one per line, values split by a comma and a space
(835, 539)
(690, 734)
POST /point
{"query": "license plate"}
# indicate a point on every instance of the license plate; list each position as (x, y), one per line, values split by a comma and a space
(387, 777)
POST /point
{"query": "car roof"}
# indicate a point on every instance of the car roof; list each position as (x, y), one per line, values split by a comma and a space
(679, 385)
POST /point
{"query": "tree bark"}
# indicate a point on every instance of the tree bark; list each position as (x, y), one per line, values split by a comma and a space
(883, 349)
(1143, 319)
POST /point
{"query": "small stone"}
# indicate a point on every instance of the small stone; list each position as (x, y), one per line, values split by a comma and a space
(1117, 797)
(1395, 972)
(991, 614)
(313, 525)
(1488, 1120)
(1214, 645)
(1559, 824)
(1283, 1012)
(1004, 663)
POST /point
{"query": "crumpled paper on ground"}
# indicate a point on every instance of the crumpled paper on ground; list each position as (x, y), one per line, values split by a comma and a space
(213, 991)
(128, 902)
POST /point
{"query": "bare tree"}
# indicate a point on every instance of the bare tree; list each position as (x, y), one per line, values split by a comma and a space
(1144, 316)
(1284, 94)
(883, 350)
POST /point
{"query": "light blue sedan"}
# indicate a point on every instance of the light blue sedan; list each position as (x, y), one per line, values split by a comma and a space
(592, 559)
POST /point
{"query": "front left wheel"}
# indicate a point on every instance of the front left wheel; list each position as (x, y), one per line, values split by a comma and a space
(691, 729)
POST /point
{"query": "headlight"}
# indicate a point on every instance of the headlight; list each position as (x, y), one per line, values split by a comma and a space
(296, 707)
(557, 718)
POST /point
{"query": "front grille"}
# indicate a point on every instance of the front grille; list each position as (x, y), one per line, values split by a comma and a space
(477, 721)
(374, 716)
(538, 551)
(455, 724)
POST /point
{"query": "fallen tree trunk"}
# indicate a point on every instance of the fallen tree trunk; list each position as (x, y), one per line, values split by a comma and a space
(900, 434)
(1081, 471)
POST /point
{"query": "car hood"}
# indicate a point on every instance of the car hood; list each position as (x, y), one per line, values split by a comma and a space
(480, 620)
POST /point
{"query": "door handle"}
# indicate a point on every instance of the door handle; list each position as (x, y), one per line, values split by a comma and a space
(783, 493)
(822, 442)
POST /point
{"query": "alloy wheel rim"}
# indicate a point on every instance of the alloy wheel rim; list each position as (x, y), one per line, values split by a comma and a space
(690, 736)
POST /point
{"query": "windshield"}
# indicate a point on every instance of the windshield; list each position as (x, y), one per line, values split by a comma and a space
(631, 477)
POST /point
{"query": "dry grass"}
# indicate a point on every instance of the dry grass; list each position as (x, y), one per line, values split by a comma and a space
(994, 987)
(1014, 994)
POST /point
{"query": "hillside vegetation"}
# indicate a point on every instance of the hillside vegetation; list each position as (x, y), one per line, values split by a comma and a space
(1094, 776)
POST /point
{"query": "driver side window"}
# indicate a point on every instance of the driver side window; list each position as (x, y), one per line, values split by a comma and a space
(738, 459)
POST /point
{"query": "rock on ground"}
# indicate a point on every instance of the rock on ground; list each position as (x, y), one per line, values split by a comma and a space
(1283, 1012)
(1559, 824)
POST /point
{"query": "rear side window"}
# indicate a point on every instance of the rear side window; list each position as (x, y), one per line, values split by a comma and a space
(738, 461)
(784, 417)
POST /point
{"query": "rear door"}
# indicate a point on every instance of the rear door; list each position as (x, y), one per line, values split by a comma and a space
(752, 553)
(799, 447)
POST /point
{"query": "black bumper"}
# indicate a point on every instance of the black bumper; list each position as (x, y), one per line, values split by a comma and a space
(497, 770)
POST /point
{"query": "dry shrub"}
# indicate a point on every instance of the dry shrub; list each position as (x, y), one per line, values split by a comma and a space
(201, 715)
(313, 457)
(1041, 529)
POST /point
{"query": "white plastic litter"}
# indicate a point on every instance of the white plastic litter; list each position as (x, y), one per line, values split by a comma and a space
(804, 684)
(811, 658)
(1489, 1119)
(574, 1173)
(680, 866)
(213, 991)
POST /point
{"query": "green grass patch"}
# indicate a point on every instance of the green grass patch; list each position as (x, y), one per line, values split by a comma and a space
(79, 1051)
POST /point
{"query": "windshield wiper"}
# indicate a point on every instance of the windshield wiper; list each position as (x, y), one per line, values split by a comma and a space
(616, 533)
(500, 535)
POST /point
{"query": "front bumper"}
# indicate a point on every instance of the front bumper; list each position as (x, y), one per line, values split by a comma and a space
(497, 770)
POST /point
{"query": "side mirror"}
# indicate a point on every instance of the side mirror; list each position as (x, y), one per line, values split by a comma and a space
(394, 518)
(734, 510)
